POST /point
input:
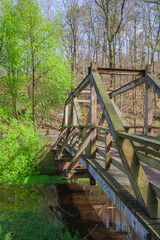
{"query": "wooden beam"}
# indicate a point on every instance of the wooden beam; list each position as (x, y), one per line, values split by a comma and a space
(78, 111)
(66, 114)
(118, 165)
(87, 92)
(148, 106)
(65, 142)
(84, 131)
(152, 162)
(82, 147)
(83, 101)
(101, 121)
(108, 150)
(104, 129)
(143, 140)
(93, 117)
(59, 138)
(123, 121)
(120, 71)
(79, 89)
(156, 190)
(70, 120)
(75, 119)
(133, 168)
(154, 83)
(100, 152)
(101, 139)
(127, 87)
(152, 152)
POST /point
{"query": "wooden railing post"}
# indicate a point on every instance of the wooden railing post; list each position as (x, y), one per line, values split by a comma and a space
(74, 116)
(93, 113)
(148, 103)
(108, 151)
(66, 115)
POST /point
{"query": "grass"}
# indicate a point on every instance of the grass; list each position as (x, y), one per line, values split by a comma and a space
(27, 225)
(37, 179)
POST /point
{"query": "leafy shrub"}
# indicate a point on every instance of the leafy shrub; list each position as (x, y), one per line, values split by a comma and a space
(21, 148)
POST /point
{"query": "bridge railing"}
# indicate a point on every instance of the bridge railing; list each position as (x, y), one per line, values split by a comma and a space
(87, 137)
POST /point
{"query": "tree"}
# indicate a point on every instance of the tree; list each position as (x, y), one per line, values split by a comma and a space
(33, 57)
(11, 51)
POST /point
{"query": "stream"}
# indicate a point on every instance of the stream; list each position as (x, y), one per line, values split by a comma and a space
(81, 206)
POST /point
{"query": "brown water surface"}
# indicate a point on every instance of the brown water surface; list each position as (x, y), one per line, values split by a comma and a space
(88, 209)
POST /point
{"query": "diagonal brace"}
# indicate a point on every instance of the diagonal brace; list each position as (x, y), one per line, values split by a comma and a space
(84, 144)
(65, 143)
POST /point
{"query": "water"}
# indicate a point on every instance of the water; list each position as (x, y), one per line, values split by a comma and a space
(89, 210)
(83, 207)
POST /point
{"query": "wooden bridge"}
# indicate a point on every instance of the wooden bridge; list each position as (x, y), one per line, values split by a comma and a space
(125, 165)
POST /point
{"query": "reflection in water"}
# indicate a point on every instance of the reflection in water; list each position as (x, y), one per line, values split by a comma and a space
(106, 210)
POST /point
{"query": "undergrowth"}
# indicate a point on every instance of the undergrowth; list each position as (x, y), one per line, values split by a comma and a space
(29, 225)
(22, 148)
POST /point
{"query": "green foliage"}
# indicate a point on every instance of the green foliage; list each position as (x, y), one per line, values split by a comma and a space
(36, 179)
(31, 225)
(35, 75)
(21, 149)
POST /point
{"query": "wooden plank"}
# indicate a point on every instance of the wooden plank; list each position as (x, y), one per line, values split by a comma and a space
(152, 162)
(134, 170)
(143, 140)
(108, 150)
(79, 89)
(82, 147)
(127, 87)
(120, 71)
(65, 142)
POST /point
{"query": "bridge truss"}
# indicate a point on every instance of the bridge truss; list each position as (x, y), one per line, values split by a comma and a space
(93, 133)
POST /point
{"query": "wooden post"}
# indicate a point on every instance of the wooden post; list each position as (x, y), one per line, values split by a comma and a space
(93, 113)
(148, 104)
(108, 151)
(74, 116)
(66, 115)
(92, 181)
(70, 120)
